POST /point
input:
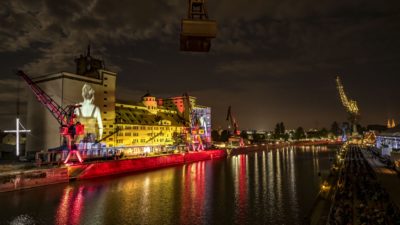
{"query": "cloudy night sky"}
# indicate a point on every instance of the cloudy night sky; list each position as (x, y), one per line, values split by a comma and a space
(272, 60)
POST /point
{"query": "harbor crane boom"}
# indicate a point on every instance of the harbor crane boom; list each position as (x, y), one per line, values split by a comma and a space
(66, 117)
(349, 104)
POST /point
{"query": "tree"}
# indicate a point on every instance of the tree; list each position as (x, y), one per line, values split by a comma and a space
(215, 135)
(282, 128)
(243, 134)
(299, 133)
(323, 133)
(279, 130)
(257, 138)
(224, 136)
(361, 129)
(335, 129)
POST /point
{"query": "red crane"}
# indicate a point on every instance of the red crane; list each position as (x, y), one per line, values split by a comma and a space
(232, 122)
(66, 117)
(235, 136)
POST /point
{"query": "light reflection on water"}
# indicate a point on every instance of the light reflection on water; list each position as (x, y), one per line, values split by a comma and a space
(264, 187)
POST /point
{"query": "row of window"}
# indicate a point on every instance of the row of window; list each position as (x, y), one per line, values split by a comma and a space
(144, 128)
(128, 134)
(135, 141)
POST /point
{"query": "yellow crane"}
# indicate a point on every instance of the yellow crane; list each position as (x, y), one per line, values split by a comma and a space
(349, 104)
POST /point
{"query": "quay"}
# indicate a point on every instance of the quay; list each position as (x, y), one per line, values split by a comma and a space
(365, 192)
(388, 178)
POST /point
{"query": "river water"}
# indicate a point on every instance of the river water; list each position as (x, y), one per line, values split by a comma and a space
(264, 187)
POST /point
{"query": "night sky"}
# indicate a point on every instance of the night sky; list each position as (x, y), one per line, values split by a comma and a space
(272, 60)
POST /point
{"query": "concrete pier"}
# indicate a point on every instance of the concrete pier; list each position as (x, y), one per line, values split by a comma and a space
(17, 180)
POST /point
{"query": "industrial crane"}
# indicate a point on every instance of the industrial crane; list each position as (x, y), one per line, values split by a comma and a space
(349, 104)
(66, 117)
(197, 30)
(235, 135)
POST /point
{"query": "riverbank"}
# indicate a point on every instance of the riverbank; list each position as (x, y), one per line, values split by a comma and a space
(24, 179)
(258, 147)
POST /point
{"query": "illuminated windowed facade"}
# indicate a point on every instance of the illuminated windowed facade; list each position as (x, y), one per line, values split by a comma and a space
(388, 141)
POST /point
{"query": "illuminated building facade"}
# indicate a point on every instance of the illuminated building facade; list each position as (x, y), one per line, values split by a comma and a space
(150, 122)
(160, 122)
(388, 140)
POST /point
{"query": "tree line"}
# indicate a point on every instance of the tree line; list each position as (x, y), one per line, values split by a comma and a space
(281, 133)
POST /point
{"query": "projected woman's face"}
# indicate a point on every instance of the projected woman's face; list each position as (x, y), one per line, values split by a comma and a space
(87, 92)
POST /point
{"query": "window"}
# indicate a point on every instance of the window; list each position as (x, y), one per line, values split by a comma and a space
(128, 127)
(127, 133)
(111, 126)
(105, 78)
(105, 99)
(161, 128)
(155, 128)
(111, 139)
(149, 128)
(143, 128)
(105, 85)
(135, 128)
(105, 92)
(135, 134)
(105, 105)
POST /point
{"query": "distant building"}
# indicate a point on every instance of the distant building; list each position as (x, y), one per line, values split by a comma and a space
(388, 140)
(11, 139)
(391, 123)
(151, 122)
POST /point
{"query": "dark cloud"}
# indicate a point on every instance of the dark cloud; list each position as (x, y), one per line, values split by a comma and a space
(272, 60)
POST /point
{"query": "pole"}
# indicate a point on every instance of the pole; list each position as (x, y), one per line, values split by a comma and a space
(17, 136)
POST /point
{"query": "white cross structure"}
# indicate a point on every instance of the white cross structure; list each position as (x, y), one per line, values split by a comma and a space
(17, 131)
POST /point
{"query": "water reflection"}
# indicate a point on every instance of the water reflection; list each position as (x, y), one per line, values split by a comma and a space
(265, 187)
(71, 208)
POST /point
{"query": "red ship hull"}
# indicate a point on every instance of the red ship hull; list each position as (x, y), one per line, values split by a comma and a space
(113, 167)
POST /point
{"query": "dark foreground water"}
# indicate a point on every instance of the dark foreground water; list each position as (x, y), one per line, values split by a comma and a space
(265, 187)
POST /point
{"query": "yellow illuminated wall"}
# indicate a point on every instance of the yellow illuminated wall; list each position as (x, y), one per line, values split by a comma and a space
(145, 125)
